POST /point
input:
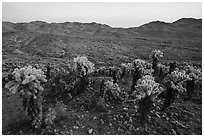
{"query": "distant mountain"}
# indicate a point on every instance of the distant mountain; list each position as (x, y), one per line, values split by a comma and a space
(102, 42)
(185, 28)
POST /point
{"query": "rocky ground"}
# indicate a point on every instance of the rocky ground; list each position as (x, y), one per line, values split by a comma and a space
(85, 115)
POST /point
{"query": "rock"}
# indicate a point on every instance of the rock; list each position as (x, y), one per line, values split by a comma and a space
(130, 120)
(17, 51)
(111, 124)
(174, 132)
(90, 131)
(95, 118)
(102, 122)
(76, 127)
(125, 108)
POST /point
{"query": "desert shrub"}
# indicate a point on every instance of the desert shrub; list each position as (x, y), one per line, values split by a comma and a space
(52, 115)
(70, 80)
(83, 66)
(61, 84)
(115, 73)
(156, 56)
(195, 80)
(112, 71)
(126, 69)
(110, 90)
(55, 112)
(100, 71)
(174, 86)
(160, 70)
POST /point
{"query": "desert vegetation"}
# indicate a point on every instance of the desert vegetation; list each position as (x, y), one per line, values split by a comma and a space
(50, 98)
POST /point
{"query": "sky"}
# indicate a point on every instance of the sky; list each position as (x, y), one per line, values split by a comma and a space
(115, 14)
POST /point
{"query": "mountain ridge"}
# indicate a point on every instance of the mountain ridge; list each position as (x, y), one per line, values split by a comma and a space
(181, 19)
(179, 40)
(180, 28)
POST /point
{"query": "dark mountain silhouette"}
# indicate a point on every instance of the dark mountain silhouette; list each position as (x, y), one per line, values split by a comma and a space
(180, 40)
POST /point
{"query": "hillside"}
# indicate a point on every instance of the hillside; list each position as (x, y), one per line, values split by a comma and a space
(180, 40)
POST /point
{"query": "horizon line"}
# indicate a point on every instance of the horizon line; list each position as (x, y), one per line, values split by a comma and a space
(50, 22)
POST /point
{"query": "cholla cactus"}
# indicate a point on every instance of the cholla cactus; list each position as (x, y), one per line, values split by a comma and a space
(24, 76)
(174, 82)
(130, 65)
(139, 67)
(137, 72)
(193, 72)
(142, 66)
(138, 63)
(27, 81)
(148, 71)
(112, 87)
(178, 76)
(146, 92)
(146, 86)
(83, 66)
(156, 54)
(194, 81)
